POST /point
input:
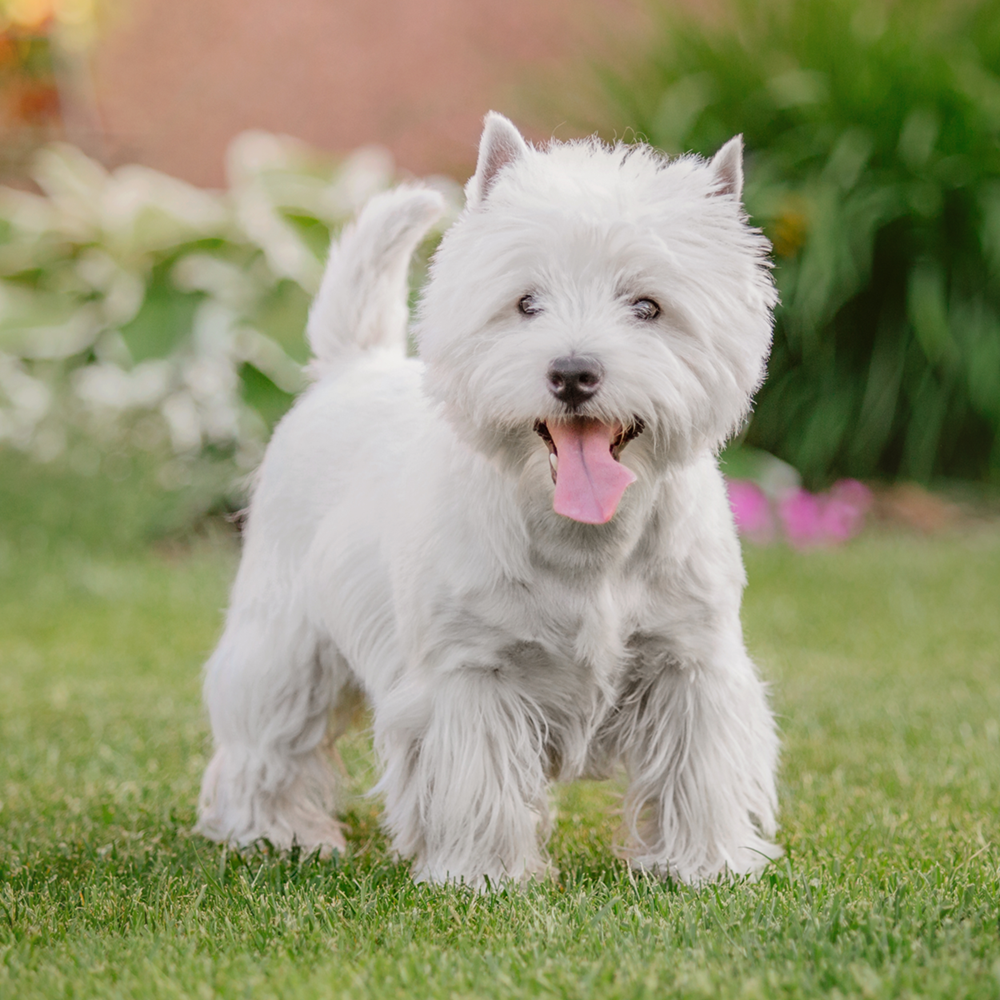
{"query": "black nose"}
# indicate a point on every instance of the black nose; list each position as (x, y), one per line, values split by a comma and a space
(575, 379)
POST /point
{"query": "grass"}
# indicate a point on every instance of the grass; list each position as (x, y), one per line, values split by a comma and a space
(885, 662)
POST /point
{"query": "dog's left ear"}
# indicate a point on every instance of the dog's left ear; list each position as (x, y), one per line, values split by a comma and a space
(727, 166)
(501, 144)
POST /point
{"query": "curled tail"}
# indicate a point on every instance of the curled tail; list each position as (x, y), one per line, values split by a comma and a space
(362, 300)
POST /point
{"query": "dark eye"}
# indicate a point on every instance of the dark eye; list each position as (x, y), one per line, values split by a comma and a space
(645, 309)
(527, 305)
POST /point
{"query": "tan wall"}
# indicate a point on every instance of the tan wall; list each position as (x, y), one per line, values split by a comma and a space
(176, 79)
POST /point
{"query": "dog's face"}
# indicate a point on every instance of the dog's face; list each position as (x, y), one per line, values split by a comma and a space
(598, 306)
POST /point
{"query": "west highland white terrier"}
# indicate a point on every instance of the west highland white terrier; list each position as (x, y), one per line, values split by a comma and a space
(517, 548)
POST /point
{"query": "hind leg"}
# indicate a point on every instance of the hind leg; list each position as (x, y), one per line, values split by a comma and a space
(270, 686)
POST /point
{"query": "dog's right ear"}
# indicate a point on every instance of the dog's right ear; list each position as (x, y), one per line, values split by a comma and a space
(501, 144)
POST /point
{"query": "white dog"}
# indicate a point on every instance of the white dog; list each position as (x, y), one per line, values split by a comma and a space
(517, 548)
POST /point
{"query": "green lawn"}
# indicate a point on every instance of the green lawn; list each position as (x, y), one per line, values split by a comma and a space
(885, 662)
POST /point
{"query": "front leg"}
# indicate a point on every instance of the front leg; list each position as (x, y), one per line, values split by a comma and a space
(698, 741)
(465, 790)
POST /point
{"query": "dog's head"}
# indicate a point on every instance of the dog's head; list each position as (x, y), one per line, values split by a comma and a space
(597, 311)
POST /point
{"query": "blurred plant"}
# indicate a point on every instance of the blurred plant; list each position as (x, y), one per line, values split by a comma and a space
(810, 519)
(751, 509)
(29, 95)
(45, 85)
(872, 133)
(142, 312)
(806, 520)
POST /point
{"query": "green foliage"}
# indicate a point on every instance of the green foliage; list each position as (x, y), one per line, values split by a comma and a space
(873, 159)
(133, 302)
(263, 395)
(163, 322)
(890, 780)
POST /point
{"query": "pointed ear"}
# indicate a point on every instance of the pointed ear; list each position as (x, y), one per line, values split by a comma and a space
(501, 144)
(727, 167)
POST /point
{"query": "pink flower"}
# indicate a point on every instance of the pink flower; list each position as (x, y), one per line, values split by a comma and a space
(811, 519)
(846, 507)
(751, 510)
(807, 519)
(801, 514)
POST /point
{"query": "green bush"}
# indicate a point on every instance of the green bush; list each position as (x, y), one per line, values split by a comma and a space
(140, 313)
(873, 161)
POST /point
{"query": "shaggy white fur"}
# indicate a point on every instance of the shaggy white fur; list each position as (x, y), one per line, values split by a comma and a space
(518, 548)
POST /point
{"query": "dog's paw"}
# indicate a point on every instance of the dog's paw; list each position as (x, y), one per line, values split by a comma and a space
(745, 863)
(326, 837)
(496, 879)
(307, 833)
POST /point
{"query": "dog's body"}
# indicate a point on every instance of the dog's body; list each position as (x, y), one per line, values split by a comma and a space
(404, 542)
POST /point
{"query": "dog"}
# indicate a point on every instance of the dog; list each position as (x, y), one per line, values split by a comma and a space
(516, 548)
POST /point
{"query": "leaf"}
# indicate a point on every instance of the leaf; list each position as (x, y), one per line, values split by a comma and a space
(163, 322)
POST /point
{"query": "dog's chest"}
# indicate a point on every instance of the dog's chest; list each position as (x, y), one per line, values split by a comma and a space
(555, 640)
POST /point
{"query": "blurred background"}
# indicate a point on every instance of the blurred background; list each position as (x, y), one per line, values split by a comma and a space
(173, 171)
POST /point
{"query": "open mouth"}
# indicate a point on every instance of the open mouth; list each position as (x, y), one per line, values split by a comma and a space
(619, 439)
(584, 462)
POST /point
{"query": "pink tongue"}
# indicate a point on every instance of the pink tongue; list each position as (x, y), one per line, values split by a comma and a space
(589, 482)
